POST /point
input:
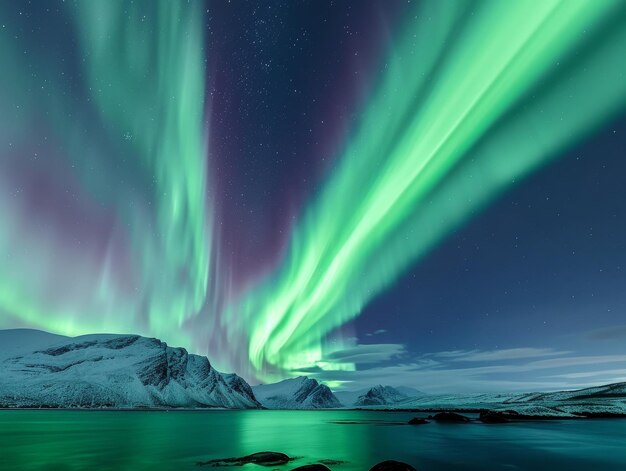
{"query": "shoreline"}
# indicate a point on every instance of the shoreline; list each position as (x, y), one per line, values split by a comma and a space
(519, 418)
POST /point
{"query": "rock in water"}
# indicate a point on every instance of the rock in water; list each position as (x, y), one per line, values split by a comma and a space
(492, 417)
(451, 417)
(263, 458)
(418, 421)
(392, 465)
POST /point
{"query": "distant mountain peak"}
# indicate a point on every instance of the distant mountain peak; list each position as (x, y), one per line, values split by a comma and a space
(380, 395)
(296, 393)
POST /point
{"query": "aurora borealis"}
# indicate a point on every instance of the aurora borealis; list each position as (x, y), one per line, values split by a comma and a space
(215, 176)
(138, 111)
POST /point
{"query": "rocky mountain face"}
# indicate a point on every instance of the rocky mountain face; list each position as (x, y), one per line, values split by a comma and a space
(296, 393)
(380, 396)
(111, 371)
(377, 396)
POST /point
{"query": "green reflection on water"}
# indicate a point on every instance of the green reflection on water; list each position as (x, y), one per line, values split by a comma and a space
(114, 440)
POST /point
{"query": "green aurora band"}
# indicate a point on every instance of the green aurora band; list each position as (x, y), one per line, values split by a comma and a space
(473, 97)
(143, 117)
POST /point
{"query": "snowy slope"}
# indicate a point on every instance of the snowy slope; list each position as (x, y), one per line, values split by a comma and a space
(456, 401)
(606, 399)
(109, 370)
(377, 396)
(380, 396)
(296, 393)
(607, 391)
(16, 341)
(410, 392)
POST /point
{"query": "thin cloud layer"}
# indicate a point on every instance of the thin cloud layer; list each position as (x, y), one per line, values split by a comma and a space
(517, 369)
(499, 355)
(367, 353)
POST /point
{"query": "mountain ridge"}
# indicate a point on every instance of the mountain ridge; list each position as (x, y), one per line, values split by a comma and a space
(296, 393)
(38, 369)
(114, 371)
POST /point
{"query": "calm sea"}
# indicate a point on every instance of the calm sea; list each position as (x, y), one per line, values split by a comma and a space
(102, 440)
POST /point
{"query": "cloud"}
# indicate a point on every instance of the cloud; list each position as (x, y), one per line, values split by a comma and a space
(309, 369)
(437, 381)
(499, 355)
(455, 372)
(577, 361)
(588, 374)
(366, 353)
(376, 332)
(615, 332)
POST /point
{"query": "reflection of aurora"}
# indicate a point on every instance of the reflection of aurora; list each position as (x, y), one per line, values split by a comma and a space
(472, 97)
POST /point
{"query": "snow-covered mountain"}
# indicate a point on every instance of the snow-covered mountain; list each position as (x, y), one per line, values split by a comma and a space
(606, 400)
(296, 393)
(615, 391)
(106, 370)
(377, 396)
(380, 396)
(410, 392)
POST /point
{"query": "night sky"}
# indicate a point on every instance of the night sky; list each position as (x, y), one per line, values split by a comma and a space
(427, 194)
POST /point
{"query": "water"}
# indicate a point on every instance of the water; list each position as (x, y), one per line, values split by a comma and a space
(113, 440)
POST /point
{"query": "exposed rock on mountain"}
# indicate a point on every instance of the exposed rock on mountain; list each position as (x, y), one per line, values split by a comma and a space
(296, 393)
(380, 396)
(111, 371)
(377, 396)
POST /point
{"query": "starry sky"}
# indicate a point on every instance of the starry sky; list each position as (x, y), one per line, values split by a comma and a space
(415, 193)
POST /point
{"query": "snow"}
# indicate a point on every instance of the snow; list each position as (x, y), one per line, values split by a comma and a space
(296, 393)
(608, 399)
(380, 396)
(16, 341)
(410, 392)
(38, 369)
(108, 370)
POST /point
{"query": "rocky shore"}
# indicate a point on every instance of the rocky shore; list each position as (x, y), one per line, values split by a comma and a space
(488, 416)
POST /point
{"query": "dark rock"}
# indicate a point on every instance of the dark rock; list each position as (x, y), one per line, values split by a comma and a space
(55, 352)
(312, 467)
(418, 421)
(237, 383)
(452, 417)
(392, 465)
(501, 416)
(494, 417)
(120, 342)
(263, 458)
